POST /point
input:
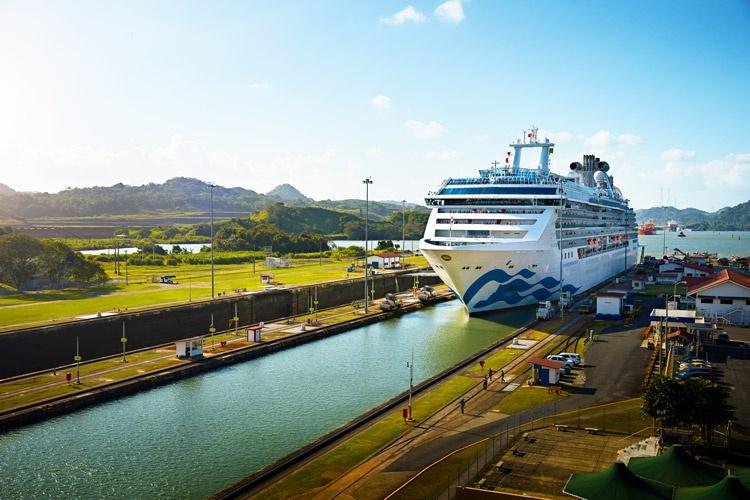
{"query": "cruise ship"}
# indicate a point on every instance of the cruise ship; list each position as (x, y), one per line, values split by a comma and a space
(517, 235)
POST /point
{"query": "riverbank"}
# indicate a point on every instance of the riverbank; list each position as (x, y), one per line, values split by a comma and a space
(287, 333)
(239, 419)
(313, 469)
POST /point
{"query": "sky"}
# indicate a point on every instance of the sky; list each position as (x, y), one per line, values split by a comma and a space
(322, 94)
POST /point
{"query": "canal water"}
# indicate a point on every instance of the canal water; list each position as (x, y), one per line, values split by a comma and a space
(196, 436)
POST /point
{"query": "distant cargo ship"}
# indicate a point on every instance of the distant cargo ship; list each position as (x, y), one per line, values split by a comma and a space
(647, 229)
(673, 226)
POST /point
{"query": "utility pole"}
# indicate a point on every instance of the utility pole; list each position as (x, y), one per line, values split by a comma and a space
(77, 359)
(403, 227)
(212, 330)
(411, 381)
(367, 183)
(211, 187)
(124, 342)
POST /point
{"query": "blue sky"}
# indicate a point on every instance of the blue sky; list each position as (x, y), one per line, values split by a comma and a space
(322, 94)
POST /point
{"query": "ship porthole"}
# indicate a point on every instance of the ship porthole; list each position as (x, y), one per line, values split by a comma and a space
(446, 258)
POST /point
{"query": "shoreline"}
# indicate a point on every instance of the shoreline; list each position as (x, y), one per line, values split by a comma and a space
(60, 405)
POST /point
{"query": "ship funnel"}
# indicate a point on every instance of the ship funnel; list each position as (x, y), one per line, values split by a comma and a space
(576, 165)
(603, 166)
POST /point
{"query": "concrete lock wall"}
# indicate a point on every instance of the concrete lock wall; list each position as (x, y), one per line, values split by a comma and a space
(46, 347)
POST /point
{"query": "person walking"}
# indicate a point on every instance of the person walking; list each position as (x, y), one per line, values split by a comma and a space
(502, 376)
(490, 373)
(462, 404)
(484, 383)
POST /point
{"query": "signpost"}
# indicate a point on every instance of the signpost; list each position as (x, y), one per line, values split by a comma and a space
(77, 359)
(124, 342)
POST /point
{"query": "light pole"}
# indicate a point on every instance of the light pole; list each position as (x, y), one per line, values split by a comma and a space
(77, 359)
(211, 187)
(124, 342)
(403, 226)
(367, 183)
(411, 381)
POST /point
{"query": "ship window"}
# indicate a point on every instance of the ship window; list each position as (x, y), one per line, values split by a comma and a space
(511, 267)
(726, 301)
(533, 265)
(707, 301)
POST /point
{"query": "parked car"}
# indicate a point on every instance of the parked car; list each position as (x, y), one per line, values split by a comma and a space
(572, 356)
(695, 364)
(567, 365)
(693, 373)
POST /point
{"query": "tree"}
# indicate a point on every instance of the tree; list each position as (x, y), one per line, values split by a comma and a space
(88, 271)
(684, 404)
(384, 245)
(58, 261)
(663, 400)
(19, 258)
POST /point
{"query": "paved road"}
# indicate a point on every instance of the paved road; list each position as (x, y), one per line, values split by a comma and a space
(614, 366)
(732, 366)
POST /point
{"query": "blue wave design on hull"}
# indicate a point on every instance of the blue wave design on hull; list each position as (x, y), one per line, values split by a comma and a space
(510, 288)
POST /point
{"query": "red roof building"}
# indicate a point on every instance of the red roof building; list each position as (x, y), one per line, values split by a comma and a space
(723, 296)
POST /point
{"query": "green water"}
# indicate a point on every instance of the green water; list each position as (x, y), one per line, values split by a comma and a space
(191, 438)
(723, 243)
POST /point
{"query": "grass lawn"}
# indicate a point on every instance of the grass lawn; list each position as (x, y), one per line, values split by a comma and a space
(436, 479)
(193, 283)
(329, 466)
(623, 417)
(654, 290)
(496, 360)
(524, 398)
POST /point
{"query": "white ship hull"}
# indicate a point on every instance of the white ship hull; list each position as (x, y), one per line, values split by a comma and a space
(516, 236)
(488, 277)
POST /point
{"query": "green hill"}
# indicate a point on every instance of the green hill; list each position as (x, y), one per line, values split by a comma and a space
(304, 220)
(660, 215)
(736, 218)
(180, 194)
(289, 193)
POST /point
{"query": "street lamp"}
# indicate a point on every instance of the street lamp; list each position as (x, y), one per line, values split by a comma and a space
(367, 183)
(411, 382)
(403, 226)
(211, 186)
(666, 310)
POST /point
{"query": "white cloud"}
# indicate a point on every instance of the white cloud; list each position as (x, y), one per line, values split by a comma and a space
(374, 152)
(444, 155)
(409, 14)
(451, 11)
(603, 139)
(556, 137)
(420, 130)
(600, 140)
(381, 102)
(629, 139)
(739, 157)
(676, 154)
(259, 86)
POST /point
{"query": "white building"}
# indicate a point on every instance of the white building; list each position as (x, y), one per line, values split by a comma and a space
(696, 270)
(189, 348)
(386, 260)
(723, 297)
(671, 267)
(609, 305)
